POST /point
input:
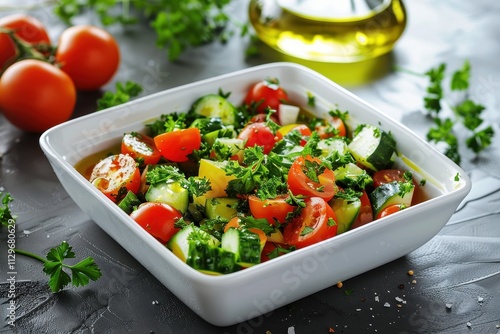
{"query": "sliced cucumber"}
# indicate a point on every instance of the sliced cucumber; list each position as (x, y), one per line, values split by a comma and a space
(172, 194)
(372, 147)
(207, 125)
(346, 211)
(179, 243)
(334, 144)
(391, 193)
(128, 202)
(352, 176)
(227, 132)
(221, 207)
(213, 105)
(244, 244)
(209, 259)
(230, 146)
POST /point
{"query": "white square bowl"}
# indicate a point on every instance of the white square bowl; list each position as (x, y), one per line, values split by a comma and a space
(229, 299)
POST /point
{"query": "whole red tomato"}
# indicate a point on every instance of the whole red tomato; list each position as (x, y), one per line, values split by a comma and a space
(35, 95)
(27, 28)
(89, 55)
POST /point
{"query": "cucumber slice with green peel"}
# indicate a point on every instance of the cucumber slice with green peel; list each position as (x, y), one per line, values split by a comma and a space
(346, 211)
(179, 243)
(391, 193)
(372, 147)
(128, 203)
(213, 105)
(209, 259)
(352, 176)
(172, 194)
(207, 125)
(221, 207)
(244, 244)
(227, 132)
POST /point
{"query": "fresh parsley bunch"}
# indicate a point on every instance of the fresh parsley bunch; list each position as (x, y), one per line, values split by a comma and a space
(466, 112)
(178, 24)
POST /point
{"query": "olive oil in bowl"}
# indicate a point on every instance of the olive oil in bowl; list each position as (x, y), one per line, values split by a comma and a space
(339, 31)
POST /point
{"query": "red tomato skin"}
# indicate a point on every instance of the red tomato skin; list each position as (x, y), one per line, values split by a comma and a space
(300, 184)
(176, 146)
(157, 219)
(27, 28)
(315, 215)
(334, 122)
(390, 210)
(365, 215)
(35, 96)
(304, 131)
(388, 176)
(259, 134)
(140, 146)
(90, 56)
(267, 95)
(115, 172)
(270, 209)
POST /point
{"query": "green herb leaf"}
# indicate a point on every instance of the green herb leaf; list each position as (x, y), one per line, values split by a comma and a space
(460, 79)
(6, 217)
(123, 94)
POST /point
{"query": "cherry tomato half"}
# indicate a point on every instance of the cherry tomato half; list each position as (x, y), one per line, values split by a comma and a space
(28, 29)
(140, 146)
(300, 184)
(177, 145)
(365, 214)
(115, 172)
(90, 56)
(333, 127)
(259, 134)
(390, 210)
(266, 94)
(275, 209)
(34, 95)
(315, 223)
(158, 219)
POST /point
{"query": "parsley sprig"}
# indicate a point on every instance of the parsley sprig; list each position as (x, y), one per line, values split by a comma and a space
(124, 92)
(178, 24)
(53, 265)
(466, 112)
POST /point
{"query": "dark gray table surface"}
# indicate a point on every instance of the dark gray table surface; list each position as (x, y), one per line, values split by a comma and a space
(460, 266)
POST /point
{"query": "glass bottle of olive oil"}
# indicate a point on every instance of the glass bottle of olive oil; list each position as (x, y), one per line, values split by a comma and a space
(339, 31)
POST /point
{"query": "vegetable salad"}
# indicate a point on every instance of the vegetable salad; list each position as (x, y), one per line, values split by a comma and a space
(227, 187)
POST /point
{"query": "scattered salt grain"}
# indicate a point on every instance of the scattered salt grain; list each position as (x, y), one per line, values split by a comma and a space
(448, 306)
(398, 299)
(291, 330)
(377, 299)
(387, 305)
(469, 324)
(480, 299)
(155, 302)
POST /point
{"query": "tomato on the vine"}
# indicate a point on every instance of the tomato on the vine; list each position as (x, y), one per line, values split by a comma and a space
(177, 145)
(316, 222)
(266, 94)
(158, 219)
(300, 182)
(140, 146)
(259, 134)
(27, 29)
(115, 172)
(90, 55)
(35, 95)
